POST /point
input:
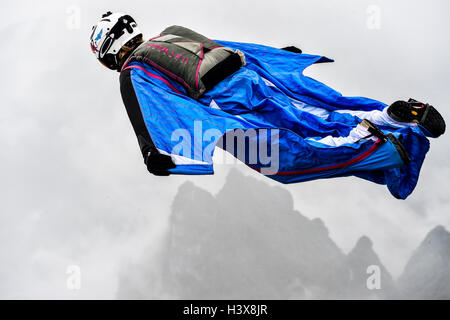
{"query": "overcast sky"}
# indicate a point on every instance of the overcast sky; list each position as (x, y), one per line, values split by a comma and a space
(73, 185)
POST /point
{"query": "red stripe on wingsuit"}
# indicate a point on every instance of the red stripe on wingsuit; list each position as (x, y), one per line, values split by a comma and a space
(154, 76)
(337, 166)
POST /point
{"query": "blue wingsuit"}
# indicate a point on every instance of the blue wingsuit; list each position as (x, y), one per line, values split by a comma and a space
(270, 92)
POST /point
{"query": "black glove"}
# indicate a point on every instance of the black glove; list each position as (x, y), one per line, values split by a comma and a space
(159, 164)
(292, 49)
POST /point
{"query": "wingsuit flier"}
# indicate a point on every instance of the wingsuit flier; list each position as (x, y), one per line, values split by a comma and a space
(185, 93)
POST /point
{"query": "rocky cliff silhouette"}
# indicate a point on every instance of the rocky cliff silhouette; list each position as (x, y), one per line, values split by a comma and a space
(248, 242)
(427, 273)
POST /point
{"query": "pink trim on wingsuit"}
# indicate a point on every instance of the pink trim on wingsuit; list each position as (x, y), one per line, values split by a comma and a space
(155, 37)
(198, 67)
(170, 74)
(337, 166)
(154, 76)
(124, 66)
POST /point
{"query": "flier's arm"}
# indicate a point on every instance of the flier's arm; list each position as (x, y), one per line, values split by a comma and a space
(157, 164)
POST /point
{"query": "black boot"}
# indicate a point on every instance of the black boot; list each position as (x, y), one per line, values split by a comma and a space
(423, 114)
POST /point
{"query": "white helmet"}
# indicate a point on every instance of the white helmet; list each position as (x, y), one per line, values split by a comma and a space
(112, 32)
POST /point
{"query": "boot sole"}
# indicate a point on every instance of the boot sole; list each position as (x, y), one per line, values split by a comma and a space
(427, 117)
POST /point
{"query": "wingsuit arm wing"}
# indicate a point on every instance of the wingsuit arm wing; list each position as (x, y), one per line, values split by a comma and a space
(157, 164)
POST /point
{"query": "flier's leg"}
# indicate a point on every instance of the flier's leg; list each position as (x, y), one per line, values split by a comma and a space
(402, 114)
(304, 159)
(378, 117)
(356, 134)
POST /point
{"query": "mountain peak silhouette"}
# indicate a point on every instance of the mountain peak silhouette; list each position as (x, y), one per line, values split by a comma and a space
(248, 242)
